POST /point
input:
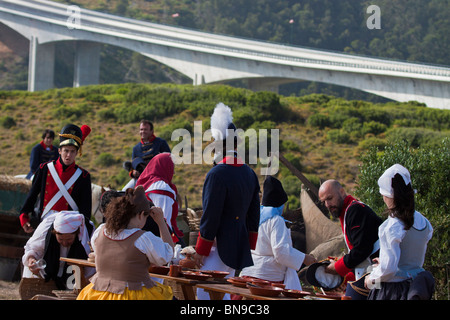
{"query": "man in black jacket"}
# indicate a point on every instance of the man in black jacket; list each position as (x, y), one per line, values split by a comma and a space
(360, 227)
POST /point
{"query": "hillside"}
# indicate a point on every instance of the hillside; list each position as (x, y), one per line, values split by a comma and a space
(322, 136)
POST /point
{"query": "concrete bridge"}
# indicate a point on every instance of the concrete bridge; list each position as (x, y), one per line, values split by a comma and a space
(205, 57)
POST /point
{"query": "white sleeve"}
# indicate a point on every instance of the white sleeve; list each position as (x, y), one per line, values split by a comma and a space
(390, 236)
(157, 251)
(35, 246)
(165, 203)
(283, 251)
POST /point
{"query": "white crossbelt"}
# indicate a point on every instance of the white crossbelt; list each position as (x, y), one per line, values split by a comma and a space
(62, 189)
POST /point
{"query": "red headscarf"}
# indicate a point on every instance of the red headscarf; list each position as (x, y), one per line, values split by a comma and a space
(160, 167)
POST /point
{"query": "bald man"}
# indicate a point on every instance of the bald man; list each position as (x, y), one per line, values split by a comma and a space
(360, 228)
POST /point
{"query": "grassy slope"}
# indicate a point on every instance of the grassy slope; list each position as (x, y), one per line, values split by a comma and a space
(33, 112)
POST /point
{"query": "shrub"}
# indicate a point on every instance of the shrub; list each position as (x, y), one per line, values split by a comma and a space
(105, 160)
(106, 114)
(373, 127)
(266, 106)
(7, 122)
(338, 136)
(319, 120)
(416, 136)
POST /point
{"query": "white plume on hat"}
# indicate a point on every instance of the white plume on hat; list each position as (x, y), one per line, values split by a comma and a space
(220, 120)
(385, 181)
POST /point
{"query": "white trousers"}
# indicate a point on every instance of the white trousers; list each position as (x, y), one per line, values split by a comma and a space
(213, 262)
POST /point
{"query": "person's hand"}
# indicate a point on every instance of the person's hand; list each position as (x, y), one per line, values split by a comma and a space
(27, 227)
(309, 259)
(368, 283)
(158, 215)
(198, 258)
(331, 268)
(375, 262)
(136, 174)
(32, 265)
(91, 257)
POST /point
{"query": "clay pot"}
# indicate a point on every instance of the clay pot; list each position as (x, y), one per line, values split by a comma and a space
(188, 262)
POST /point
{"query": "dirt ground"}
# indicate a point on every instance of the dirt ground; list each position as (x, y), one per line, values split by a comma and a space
(9, 290)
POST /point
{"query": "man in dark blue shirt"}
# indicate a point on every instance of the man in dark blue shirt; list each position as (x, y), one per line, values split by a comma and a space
(144, 151)
(43, 152)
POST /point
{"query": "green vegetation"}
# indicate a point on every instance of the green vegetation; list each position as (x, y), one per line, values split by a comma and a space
(322, 136)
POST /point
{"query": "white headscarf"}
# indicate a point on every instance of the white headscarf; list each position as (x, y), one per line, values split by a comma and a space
(69, 222)
(385, 181)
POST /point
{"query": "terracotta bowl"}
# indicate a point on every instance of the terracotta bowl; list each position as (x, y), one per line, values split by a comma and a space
(159, 270)
(266, 291)
(216, 274)
(196, 275)
(260, 283)
(238, 282)
(295, 293)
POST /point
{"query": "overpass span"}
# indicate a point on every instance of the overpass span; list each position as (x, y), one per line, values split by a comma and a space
(209, 58)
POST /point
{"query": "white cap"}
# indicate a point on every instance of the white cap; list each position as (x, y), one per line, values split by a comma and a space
(71, 221)
(385, 181)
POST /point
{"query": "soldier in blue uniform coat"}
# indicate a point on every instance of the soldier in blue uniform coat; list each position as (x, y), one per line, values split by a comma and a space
(230, 220)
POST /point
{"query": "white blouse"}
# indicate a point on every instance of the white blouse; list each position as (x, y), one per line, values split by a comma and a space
(161, 200)
(391, 233)
(157, 251)
(274, 254)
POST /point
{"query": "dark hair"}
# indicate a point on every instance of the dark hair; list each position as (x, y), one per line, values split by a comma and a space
(147, 122)
(404, 206)
(49, 132)
(107, 196)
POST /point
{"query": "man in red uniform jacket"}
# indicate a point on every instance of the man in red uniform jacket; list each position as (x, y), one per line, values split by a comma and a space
(360, 227)
(60, 184)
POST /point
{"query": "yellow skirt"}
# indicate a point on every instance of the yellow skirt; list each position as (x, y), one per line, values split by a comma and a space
(158, 292)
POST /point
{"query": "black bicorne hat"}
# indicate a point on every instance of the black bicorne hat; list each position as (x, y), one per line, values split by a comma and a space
(322, 279)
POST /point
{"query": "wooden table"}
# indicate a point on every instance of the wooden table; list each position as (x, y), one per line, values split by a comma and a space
(187, 285)
(215, 287)
(217, 291)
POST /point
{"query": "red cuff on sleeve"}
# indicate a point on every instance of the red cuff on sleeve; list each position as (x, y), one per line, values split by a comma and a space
(253, 237)
(341, 268)
(203, 246)
(23, 218)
